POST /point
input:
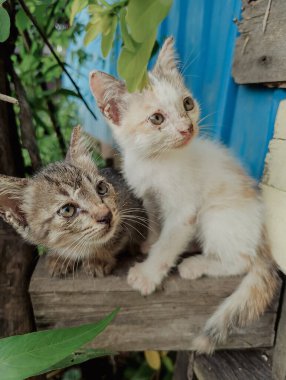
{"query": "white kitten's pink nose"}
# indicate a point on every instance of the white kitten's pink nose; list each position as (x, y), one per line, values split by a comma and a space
(188, 131)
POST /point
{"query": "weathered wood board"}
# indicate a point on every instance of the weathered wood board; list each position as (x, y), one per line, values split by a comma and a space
(166, 320)
(274, 188)
(260, 57)
(233, 365)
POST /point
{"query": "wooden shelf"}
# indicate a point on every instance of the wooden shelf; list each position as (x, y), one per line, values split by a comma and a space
(167, 320)
(233, 365)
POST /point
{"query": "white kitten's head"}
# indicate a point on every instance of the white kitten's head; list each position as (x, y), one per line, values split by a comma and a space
(163, 117)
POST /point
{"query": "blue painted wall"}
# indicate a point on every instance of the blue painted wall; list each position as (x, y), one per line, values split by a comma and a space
(242, 117)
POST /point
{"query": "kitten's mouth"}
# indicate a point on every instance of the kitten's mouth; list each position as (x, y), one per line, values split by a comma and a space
(106, 232)
(184, 141)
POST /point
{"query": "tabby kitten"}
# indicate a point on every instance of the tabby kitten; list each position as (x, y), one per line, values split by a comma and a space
(199, 190)
(82, 214)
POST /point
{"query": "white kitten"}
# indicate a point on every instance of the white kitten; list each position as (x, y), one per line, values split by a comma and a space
(191, 187)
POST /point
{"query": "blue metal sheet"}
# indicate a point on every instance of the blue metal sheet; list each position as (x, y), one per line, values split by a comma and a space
(242, 117)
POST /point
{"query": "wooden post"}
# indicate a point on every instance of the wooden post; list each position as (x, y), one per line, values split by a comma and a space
(184, 365)
(274, 193)
(17, 259)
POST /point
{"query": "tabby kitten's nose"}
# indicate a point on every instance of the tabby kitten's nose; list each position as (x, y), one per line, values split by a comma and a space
(105, 218)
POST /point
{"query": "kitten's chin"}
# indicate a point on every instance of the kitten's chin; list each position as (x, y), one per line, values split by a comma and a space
(104, 235)
(183, 142)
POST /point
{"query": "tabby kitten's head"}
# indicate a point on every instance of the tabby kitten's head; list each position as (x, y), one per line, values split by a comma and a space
(67, 204)
(162, 117)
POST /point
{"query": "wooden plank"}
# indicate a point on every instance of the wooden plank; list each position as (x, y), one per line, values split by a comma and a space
(166, 320)
(274, 188)
(279, 352)
(183, 366)
(233, 365)
(260, 57)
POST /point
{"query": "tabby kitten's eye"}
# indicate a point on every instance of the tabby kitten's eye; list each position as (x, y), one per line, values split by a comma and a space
(157, 118)
(102, 188)
(188, 103)
(67, 211)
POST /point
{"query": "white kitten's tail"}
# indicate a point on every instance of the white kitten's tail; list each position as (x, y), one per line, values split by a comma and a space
(245, 305)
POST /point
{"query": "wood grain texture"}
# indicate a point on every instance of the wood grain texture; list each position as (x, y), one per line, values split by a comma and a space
(184, 366)
(166, 320)
(233, 365)
(260, 57)
(279, 352)
(274, 188)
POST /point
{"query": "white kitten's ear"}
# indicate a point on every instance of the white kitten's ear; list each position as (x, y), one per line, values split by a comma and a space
(11, 190)
(108, 92)
(166, 61)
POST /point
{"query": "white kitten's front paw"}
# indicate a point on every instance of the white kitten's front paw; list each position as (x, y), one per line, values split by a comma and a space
(191, 268)
(139, 280)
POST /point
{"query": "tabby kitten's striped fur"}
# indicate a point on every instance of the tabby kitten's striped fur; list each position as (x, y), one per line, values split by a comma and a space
(82, 214)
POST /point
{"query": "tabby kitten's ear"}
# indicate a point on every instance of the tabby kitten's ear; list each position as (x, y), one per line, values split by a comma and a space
(166, 62)
(80, 150)
(108, 92)
(11, 191)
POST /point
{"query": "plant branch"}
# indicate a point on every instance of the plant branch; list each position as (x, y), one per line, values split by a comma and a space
(60, 63)
(26, 122)
(8, 99)
(50, 105)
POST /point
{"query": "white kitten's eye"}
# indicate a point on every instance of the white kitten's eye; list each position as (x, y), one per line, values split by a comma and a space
(102, 188)
(188, 103)
(67, 211)
(157, 118)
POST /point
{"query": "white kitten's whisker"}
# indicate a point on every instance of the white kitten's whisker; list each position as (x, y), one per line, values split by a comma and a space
(186, 61)
(192, 61)
(205, 117)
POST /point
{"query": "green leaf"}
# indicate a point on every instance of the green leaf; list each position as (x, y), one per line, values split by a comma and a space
(168, 363)
(132, 66)
(126, 37)
(95, 8)
(107, 39)
(66, 92)
(79, 357)
(92, 31)
(144, 17)
(2, 1)
(25, 355)
(76, 7)
(4, 24)
(22, 20)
